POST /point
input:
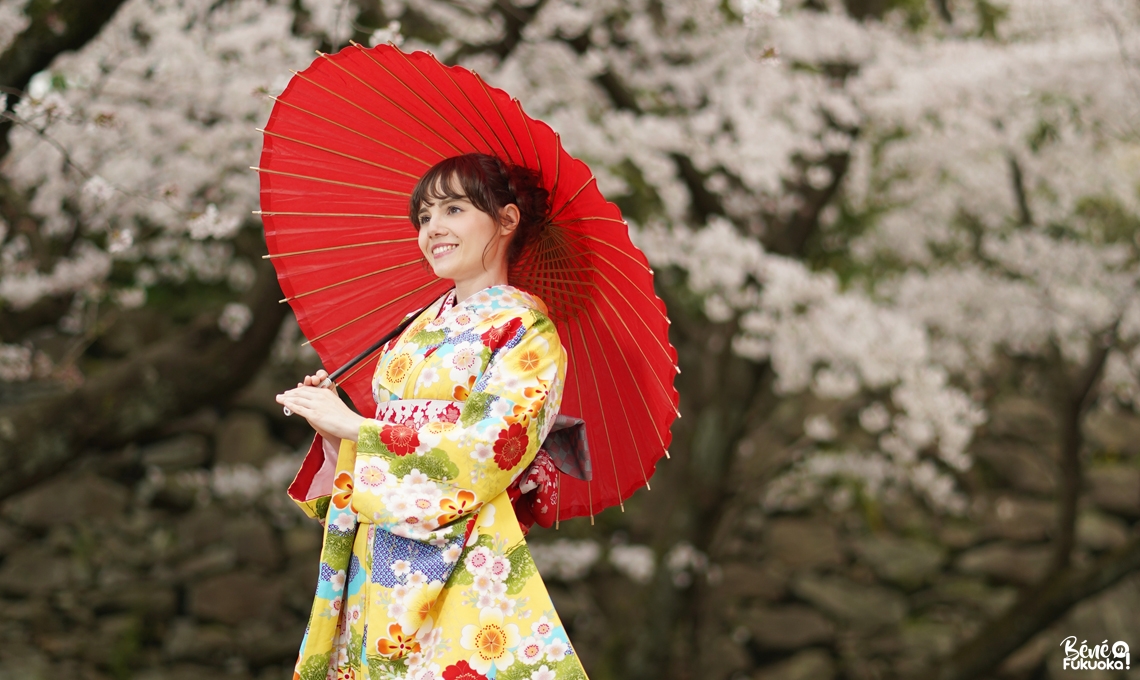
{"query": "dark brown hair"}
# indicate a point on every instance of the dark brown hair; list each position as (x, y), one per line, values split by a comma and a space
(490, 185)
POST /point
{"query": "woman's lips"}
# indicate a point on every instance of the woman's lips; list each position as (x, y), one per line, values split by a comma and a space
(442, 250)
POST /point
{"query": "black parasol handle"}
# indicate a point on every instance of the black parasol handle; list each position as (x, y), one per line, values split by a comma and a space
(327, 382)
(377, 345)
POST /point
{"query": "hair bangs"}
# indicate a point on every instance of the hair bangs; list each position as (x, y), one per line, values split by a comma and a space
(460, 177)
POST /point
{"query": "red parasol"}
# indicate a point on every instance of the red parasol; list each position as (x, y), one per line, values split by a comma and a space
(345, 144)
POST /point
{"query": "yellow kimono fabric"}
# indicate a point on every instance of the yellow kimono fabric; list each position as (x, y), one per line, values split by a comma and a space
(424, 572)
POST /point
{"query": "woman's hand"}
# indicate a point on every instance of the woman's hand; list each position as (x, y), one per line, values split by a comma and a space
(323, 408)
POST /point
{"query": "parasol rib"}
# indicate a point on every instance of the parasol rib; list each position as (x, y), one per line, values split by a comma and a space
(660, 345)
(664, 392)
(278, 256)
(557, 166)
(610, 370)
(578, 393)
(423, 101)
(370, 312)
(338, 153)
(502, 119)
(605, 425)
(370, 113)
(537, 157)
(348, 281)
(330, 181)
(598, 218)
(571, 199)
(478, 110)
(354, 131)
(270, 213)
(389, 100)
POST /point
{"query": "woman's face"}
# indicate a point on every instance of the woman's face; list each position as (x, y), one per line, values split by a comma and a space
(454, 237)
(462, 242)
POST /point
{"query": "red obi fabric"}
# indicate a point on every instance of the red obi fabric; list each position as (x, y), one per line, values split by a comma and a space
(534, 494)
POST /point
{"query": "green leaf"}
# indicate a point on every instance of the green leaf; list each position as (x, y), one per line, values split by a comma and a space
(377, 665)
(425, 338)
(569, 668)
(517, 671)
(322, 506)
(522, 568)
(434, 464)
(475, 408)
(540, 420)
(369, 441)
(355, 644)
(338, 549)
(542, 323)
(316, 667)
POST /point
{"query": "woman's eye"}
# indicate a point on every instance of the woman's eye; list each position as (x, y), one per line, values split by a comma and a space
(453, 209)
(424, 219)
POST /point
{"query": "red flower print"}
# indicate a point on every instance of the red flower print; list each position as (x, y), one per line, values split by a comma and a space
(453, 509)
(397, 645)
(343, 495)
(400, 439)
(462, 671)
(450, 414)
(510, 446)
(497, 336)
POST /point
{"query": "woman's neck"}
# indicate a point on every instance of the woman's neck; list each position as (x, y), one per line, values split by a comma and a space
(468, 287)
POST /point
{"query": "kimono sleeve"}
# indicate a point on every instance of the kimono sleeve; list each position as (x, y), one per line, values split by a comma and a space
(312, 488)
(418, 483)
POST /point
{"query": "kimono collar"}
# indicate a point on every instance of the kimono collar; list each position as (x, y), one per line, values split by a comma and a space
(491, 300)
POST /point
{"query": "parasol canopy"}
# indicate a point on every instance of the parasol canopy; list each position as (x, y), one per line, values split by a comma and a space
(344, 147)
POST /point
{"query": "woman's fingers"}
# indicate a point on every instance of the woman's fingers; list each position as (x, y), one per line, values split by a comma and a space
(314, 380)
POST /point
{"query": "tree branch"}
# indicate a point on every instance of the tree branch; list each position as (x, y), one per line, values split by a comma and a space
(1074, 402)
(55, 27)
(944, 10)
(1035, 610)
(791, 237)
(1017, 177)
(515, 19)
(134, 398)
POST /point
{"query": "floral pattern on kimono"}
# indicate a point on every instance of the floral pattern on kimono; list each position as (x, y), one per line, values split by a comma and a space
(425, 574)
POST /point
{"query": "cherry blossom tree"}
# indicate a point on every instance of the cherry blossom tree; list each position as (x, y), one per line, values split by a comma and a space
(883, 205)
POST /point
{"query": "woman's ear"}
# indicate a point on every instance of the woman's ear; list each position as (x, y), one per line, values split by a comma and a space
(508, 219)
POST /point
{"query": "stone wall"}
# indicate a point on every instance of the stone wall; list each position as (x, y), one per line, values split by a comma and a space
(882, 587)
(181, 558)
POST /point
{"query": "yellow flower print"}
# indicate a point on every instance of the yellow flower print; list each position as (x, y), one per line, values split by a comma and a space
(439, 427)
(491, 641)
(418, 604)
(526, 360)
(398, 368)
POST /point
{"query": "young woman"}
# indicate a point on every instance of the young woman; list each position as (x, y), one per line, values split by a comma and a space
(424, 571)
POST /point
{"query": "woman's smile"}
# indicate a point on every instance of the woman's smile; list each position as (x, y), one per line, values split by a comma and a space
(441, 249)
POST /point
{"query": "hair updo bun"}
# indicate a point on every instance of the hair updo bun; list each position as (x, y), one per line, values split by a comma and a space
(490, 185)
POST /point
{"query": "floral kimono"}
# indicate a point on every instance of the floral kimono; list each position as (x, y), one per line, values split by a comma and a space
(424, 572)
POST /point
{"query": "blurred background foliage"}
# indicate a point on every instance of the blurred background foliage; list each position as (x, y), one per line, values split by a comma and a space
(897, 240)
